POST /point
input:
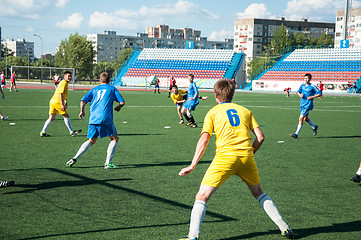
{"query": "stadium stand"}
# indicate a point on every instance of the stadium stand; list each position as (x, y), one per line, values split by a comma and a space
(207, 65)
(335, 65)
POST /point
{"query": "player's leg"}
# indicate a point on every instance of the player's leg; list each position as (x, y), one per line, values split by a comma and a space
(271, 210)
(191, 118)
(68, 125)
(199, 210)
(47, 122)
(299, 126)
(83, 148)
(314, 127)
(180, 113)
(184, 113)
(357, 177)
(110, 152)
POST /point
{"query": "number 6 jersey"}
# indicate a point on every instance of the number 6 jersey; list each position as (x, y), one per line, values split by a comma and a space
(231, 124)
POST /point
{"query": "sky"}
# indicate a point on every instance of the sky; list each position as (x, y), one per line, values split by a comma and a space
(55, 20)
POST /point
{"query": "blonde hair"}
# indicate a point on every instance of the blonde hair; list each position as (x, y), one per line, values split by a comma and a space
(104, 77)
(224, 89)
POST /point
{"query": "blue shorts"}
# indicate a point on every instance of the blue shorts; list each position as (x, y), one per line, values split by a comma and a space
(156, 86)
(304, 112)
(101, 130)
(190, 106)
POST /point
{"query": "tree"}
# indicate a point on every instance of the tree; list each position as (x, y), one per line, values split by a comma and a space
(279, 42)
(123, 55)
(76, 52)
(325, 40)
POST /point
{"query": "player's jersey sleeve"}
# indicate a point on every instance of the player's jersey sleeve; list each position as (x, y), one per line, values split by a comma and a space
(118, 97)
(208, 123)
(300, 89)
(316, 90)
(88, 97)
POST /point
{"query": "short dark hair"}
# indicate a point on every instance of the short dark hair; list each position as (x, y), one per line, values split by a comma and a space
(224, 88)
(68, 72)
(191, 75)
(308, 75)
(104, 77)
(175, 86)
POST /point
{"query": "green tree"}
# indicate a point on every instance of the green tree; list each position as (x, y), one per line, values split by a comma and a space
(279, 42)
(123, 55)
(76, 52)
(325, 40)
(103, 66)
(299, 39)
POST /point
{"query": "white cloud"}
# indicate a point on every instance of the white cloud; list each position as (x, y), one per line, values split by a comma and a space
(315, 10)
(221, 35)
(255, 10)
(146, 16)
(61, 3)
(21, 8)
(72, 22)
(30, 29)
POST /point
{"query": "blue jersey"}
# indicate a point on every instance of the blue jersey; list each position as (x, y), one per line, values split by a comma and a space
(308, 91)
(101, 106)
(192, 92)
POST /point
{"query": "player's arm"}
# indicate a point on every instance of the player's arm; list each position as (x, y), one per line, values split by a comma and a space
(121, 104)
(82, 113)
(259, 139)
(200, 149)
(64, 103)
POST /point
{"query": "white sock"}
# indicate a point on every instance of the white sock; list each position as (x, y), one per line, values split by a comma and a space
(272, 211)
(46, 125)
(197, 216)
(358, 171)
(68, 124)
(299, 127)
(110, 152)
(83, 148)
(312, 124)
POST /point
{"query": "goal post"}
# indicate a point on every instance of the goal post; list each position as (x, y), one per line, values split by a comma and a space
(32, 72)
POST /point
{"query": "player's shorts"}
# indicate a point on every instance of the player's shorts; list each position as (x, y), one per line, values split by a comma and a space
(304, 112)
(56, 82)
(156, 86)
(55, 108)
(13, 83)
(101, 130)
(3, 83)
(190, 106)
(222, 167)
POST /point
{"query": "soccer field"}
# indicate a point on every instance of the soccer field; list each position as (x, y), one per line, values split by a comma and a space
(307, 178)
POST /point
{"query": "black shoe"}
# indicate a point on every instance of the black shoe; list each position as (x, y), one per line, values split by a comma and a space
(76, 132)
(6, 183)
(288, 234)
(356, 178)
(42, 134)
(315, 130)
(294, 135)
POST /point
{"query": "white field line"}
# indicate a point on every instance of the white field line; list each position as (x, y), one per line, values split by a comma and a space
(296, 108)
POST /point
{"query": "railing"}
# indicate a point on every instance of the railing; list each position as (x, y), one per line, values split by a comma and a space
(288, 50)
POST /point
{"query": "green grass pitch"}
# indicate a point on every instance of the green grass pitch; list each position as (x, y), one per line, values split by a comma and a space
(308, 177)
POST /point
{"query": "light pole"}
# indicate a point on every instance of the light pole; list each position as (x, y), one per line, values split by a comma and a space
(41, 57)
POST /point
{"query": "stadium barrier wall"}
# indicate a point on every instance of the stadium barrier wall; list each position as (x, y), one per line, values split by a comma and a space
(259, 85)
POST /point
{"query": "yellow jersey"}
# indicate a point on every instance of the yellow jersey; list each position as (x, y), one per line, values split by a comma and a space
(62, 88)
(178, 97)
(231, 124)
